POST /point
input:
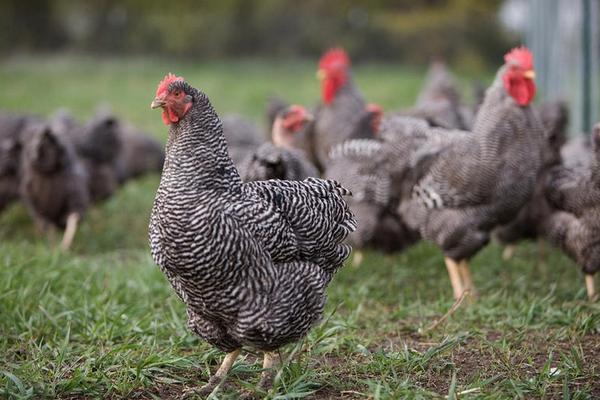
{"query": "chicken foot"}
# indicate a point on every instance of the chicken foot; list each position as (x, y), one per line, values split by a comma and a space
(71, 228)
(219, 376)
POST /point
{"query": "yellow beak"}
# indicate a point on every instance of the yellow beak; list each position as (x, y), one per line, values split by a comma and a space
(321, 74)
(529, 74)
(157, 103)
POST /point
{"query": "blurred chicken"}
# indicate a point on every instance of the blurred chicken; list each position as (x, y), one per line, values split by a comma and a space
(439, 101)
(242, 136)
(98, 144)
(53, 183)
(11, 128)
(574, 226)
(529, 223)
(140, 154)
(363, 166)
(280, 159)
(472, 183)
(343, 114)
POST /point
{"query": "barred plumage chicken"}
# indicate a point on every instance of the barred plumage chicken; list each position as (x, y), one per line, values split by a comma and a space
(251, 261)
(529, 223)
(439, 102)
(281, 159)
(343, 107)
(364, 167)
(480, 180)
(574, 224)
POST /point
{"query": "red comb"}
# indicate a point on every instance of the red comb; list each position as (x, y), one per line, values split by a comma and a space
(520, 55)
(163, 86)
(334, 58)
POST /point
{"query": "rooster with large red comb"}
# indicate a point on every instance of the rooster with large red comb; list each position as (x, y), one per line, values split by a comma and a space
(343, 113)
(465, 185)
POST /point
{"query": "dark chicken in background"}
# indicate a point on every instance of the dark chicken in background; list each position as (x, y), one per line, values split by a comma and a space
(251, 261)
(53, 184)
(11, 128)
(98, 144)
(140, 154)
(243, 137)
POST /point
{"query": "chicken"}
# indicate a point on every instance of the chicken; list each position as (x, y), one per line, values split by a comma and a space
(574, 224)
(439, 101)
(363, 166)
(343, 108)
(529, 223)
(11, 127)
(140, 154)
(275, 105)
(98, 145)
(469, 184)
(280, 159)
(251, 261)
(53, 183)
(577, 154)
(242, 136)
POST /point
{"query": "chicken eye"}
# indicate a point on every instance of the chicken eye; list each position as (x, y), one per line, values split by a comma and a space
(176, 93)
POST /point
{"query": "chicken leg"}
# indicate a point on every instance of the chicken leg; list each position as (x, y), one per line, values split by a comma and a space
(268, 374)
(589, 285)
(71, 228)
(509, 252)
(357, 259)
(455, 278)
(465, 276)
(220, 375)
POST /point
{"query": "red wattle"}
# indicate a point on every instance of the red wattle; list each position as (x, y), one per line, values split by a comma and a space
(169, 116)
(328, 90)
(522, 90)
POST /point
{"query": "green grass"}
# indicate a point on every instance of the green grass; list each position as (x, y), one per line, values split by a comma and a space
(102, 322)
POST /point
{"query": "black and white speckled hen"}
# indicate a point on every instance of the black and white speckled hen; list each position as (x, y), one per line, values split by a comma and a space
(480, 180)
(280, 159)
(343, 109)
(251, 261)
(574, 226)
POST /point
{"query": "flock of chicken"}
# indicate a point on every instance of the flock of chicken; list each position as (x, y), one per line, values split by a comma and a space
(249, 238)
(441, 171)
(58, 166)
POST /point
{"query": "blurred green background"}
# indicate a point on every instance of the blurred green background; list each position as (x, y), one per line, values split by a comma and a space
(411, 31)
